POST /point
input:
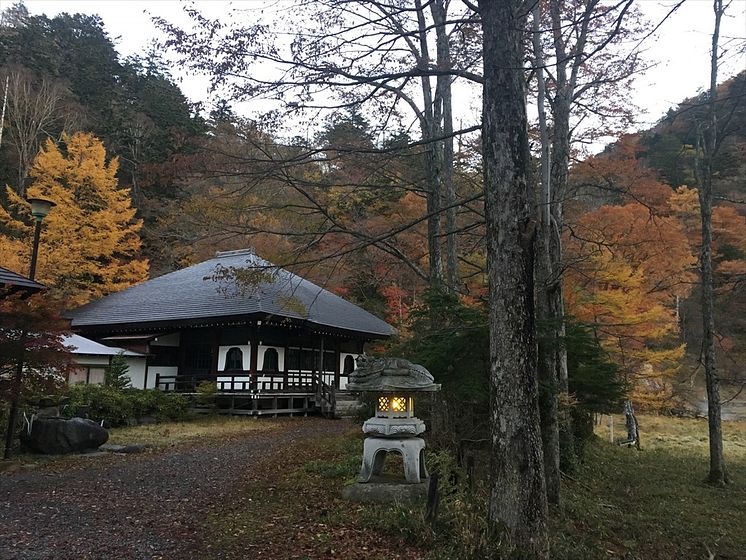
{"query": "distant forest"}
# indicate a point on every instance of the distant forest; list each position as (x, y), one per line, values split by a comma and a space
(202, 181)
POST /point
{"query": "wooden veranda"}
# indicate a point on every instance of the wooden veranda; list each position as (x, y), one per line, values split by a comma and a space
(256, 394)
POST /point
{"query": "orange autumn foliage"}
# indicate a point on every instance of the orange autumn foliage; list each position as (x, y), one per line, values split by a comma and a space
(621, 176)
(629, 266)
(729, 232)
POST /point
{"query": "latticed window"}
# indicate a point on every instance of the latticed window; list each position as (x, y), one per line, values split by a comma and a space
(271, 360)
(398, 404)
(349, 365)
(330, 359)
(308, 360)
(234, 359)
(199, 357)
(395, 407)
(292, 359)
(383, 404)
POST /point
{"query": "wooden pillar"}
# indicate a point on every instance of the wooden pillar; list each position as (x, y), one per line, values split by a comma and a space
(321, 357)
(253, 355)
(181, 362)
(215, 350)
(254, 349)
(147, 366)
(286, 351)
(336, 363)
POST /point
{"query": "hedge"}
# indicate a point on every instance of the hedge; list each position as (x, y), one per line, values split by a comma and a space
(119, 407)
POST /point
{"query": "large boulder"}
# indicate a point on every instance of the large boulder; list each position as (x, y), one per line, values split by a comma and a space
(55, 435)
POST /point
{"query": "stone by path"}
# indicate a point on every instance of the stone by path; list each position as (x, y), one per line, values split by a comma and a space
(146, 506)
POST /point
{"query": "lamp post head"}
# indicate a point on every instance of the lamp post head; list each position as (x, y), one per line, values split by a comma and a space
(40, 207)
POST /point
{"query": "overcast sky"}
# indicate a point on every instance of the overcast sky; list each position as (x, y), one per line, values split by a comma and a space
(681, 47)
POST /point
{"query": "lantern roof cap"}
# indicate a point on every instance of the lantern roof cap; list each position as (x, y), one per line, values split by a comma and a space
(389, 375)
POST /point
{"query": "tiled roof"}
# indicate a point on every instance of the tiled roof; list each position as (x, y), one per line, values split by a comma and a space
(10, 278)
(192, 293)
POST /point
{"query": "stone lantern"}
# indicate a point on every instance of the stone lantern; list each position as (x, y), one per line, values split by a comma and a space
(394, 428)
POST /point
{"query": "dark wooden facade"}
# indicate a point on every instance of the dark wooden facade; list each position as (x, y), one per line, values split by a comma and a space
(258, 366)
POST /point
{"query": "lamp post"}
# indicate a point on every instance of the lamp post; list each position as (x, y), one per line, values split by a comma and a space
(40, 207)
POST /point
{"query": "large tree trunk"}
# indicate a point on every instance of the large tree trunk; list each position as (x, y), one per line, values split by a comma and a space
(518, 498)
(718, 474)
(554, 287)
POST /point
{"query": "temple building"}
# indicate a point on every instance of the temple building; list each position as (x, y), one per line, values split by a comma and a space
(271, 332)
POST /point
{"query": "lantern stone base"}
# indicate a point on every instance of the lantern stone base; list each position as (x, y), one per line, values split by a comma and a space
(412, 450)
(377, 426)
(386, 492)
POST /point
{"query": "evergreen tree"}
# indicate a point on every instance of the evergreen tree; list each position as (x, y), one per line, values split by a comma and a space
(116, 374)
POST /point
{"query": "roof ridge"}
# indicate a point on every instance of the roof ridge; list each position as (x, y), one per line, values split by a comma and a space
(235, 252)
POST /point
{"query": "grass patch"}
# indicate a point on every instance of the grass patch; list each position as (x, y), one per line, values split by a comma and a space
(205, 428)
(653, 504)
(646, 505)
(342, 464)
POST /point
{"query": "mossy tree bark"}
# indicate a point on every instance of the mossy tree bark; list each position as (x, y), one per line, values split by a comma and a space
(518, 504)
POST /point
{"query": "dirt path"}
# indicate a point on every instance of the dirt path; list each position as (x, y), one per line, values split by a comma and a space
(147, 506)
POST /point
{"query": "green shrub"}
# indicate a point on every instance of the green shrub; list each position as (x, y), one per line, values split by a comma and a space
(118, 407)
(170, 406)
(206, 393)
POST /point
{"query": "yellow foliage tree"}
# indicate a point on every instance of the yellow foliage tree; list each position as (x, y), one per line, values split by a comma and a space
(629, 269)
(90, 243)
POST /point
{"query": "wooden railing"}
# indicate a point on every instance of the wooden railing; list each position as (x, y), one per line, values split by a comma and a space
(326, 398)
(261, 382)
(311, 386)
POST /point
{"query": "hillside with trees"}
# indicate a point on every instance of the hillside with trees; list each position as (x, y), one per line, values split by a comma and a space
(64, 76)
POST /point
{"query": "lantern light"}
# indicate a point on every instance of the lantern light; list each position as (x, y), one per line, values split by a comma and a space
(40, 207)
(395, 407)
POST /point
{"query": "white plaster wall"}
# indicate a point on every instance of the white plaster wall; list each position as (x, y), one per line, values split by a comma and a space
(136, 372)
(246, 358)
(280, 357)
(166, 340)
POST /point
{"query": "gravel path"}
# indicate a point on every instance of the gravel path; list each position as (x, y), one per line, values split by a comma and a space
(145, 506)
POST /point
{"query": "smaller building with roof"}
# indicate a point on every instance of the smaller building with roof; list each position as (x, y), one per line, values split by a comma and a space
(92, 358)
(11, 282)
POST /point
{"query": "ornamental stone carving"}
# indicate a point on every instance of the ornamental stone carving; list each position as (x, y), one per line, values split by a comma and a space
(390, 375)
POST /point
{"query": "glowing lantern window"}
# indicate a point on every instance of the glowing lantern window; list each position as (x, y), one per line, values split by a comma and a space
(394, 407)
(398, 404)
